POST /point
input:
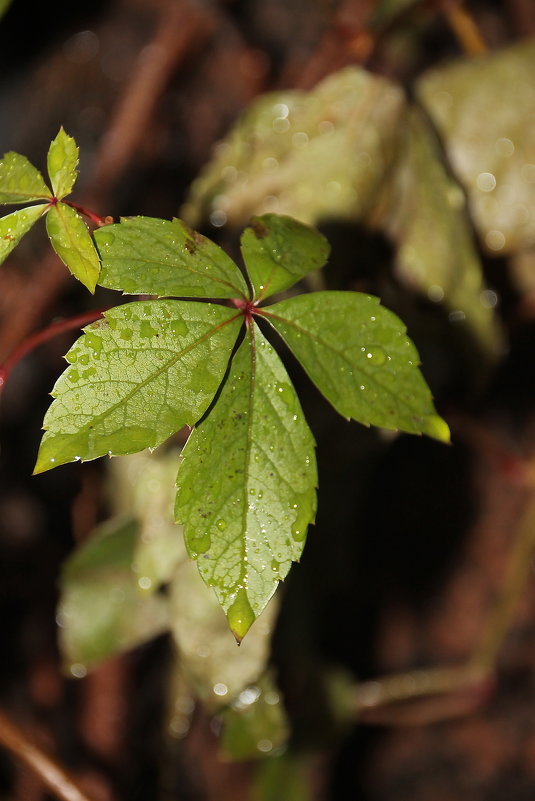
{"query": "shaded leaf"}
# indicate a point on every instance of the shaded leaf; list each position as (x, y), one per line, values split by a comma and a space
(137, 377)
(278, 251)
(211, 662)
(20, 181)
(70, 238)
(245, 519)
(15, 225)
(62, 161)
(490, 144)
(424, 212)
(102, 610)
(162, 257)
(359, 356)
(255, 724)
(312, 155)
(295, 773)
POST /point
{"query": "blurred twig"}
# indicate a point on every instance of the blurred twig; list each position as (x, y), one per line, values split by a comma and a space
(57, 780)
(465, 28)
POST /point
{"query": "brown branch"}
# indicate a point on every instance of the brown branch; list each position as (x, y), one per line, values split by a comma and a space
(57, 780)
(464, 27)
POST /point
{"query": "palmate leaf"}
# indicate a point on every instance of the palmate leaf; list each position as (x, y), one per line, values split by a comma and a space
(278, 251)
(162, 257)
(70, 238)
(247, 484)
(62, 161)
(359, 356)
(15, 225)
(137, 377)
(20, 181)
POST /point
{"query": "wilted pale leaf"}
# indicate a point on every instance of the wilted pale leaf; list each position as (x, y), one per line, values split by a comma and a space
(216, 668)
(137, 377)
(103, 611)
(15, 225)
(143, 485)
(70, 238)
(20, 181)
(247, 484)
(312, 155)
(424, 212)
(62, 161)
(278, 251)
(359, 356)
(484, 110)
(166, 257)
(255, 724)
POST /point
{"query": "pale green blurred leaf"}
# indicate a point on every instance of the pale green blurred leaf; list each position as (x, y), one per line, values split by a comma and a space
(143, 485)
(278, 251)
(15, 225)
(424, 212)
(211, 661)
(293, 773)
(136, 377)
(255, 724)
(359, 356)
(70, 238)
(62, 161)
(247, 484)
(312, 155)
(162, 257)
(103, 611)
(484, 110)
(20, 181)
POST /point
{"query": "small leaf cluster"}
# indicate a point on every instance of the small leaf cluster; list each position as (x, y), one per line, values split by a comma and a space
(247, 476)
(21, 182)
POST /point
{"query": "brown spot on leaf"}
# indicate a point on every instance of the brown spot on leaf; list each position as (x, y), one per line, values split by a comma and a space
(259, 229)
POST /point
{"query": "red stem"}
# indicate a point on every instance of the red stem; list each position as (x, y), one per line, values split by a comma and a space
(95, 218)
(44, 335)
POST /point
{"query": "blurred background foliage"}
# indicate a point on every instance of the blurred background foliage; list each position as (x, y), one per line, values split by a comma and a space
(405, 130)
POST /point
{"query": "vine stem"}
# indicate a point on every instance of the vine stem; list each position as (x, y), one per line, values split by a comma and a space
(33, 341)
(56, 779)
(464, 27)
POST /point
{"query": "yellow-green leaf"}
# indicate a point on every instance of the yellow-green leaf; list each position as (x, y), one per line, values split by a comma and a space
(62, 161)
(20, 181)
(15, 225)
(70, 238)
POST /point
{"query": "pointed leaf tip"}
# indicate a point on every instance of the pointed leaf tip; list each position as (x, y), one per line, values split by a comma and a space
(62, 161)
(437, 428)
(240, 615)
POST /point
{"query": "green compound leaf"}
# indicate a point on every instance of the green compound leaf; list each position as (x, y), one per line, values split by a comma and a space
(247, 484)
(20, 181)
(162, 257)
(359, 356)
(278, 251)
(62, 161)
(70, 238)
(137, 377)
(15, 225)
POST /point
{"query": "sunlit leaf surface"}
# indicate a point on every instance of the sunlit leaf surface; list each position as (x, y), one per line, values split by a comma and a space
(484, 110)
(162, 257)
(137, 377)
(312, 155)
(247, 484)
(72, 241)
(15, 225)
(359, 356)
(62, 161)
(20, 181)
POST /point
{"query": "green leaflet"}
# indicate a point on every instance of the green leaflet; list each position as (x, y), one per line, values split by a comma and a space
(102, 609)
(70, 238)
(247, 484)
(278, 251)
(359, 356)
(15, 225)
(20, 181)
(62, 161)
(162, 257)
(137, 377)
